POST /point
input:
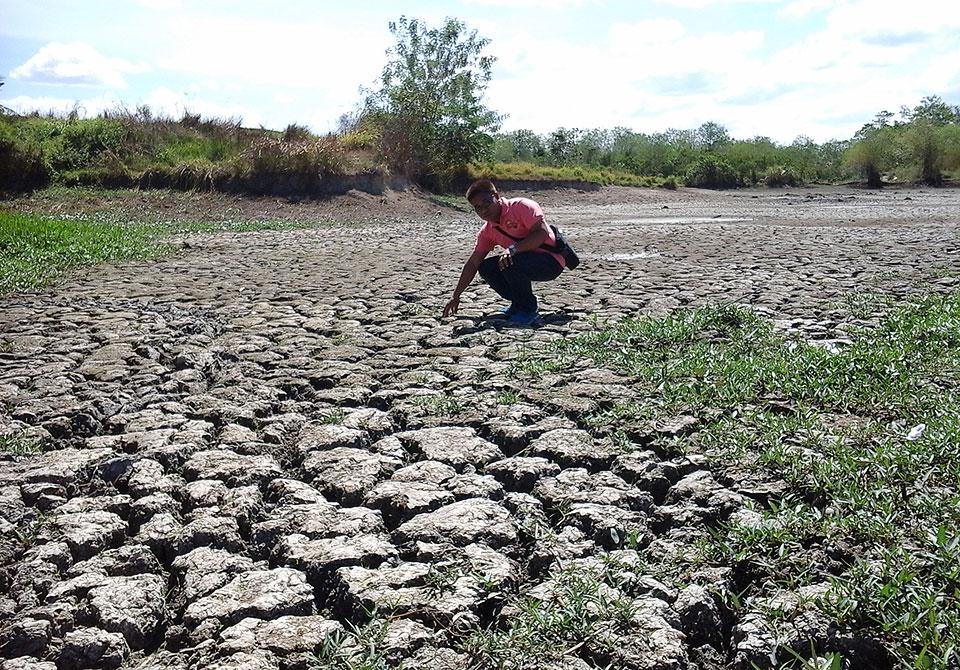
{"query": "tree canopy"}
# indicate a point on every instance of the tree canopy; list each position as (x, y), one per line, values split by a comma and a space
(429, 110)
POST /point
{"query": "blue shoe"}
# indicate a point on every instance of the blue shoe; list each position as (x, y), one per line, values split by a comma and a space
(508, 311)
(522, 319)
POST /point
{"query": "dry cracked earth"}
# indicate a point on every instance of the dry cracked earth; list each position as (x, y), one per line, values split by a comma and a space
(247, 447)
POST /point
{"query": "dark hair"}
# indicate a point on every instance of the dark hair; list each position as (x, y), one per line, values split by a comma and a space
(480, 187)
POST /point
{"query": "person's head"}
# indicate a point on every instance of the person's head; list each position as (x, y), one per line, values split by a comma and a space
(483, 195)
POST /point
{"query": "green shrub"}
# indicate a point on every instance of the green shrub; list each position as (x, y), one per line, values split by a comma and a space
(669, 183)
(924, 147)
(273, 166)
(74, 144)
(193, 175)
(779, 176)
(711, 172)
(179, 150)
(22, 166)
(296, 133)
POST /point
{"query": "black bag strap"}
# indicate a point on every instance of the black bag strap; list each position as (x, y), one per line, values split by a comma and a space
(549, 247)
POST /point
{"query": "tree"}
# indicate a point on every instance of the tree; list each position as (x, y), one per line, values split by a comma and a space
(932, 110)
(872, 152)
(711, 136)
(923, 146)
(429, 109)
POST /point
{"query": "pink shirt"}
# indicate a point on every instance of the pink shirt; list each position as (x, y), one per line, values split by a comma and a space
(518, 217)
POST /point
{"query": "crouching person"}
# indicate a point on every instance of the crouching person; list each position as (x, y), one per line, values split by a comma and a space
(517, 225)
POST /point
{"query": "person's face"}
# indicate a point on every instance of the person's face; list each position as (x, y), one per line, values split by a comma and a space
(487, 206)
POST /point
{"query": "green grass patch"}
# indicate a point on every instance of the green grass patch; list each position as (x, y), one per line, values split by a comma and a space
(457, 202)
(547, 173)
(841, 427)
(17, 445)
(590, 611)
(35, 251)
(439, 405)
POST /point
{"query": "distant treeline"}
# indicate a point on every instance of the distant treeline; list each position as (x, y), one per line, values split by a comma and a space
(428, 123)
(137, 148)
(920, 146)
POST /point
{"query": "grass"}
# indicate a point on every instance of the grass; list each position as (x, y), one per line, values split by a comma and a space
(35, 251)
(532, 172)
(439, 404)
(834, 426)
(124, 148)
(457, 202)
(356, 648)
(585, 614)
(16, 445)
(332, 417)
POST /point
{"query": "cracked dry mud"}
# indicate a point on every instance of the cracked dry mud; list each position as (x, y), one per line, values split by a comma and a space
(245, 446)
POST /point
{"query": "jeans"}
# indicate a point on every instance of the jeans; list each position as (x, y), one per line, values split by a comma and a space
(514, 282)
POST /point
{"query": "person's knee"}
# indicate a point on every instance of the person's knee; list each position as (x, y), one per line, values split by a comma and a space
(489, 268)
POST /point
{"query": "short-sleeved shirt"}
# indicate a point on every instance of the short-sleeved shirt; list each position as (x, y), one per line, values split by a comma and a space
(518, 217)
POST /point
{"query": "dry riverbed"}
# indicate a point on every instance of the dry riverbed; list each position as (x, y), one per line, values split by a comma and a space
(267, 450)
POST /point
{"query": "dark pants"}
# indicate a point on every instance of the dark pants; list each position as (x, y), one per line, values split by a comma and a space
(514, 283)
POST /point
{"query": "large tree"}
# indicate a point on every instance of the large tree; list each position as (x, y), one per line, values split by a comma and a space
(430, 109)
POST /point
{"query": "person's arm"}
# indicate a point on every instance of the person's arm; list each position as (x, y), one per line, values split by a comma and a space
(470, 269)
(538, 235)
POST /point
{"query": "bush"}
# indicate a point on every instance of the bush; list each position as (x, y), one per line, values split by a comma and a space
(949, 138)
(780, 176)
(296, 133)
(194, 175)
(276, 167)
(76, 143)
(711, 172)
(923, 146)
(22, 167)
(669, 183)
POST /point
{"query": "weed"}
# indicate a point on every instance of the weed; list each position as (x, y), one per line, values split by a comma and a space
(356, 648)
(835, 427)
(439, 405)
(534, 172)
(440, 579)
(582, 610)
(333, 416)
(457, 202)
(28, 533)
(18, 445)
(37, 250)
(508, 397)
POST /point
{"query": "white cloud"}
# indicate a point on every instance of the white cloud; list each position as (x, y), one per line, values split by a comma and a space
(25, 104)
(873, 17)
(800, 8)
(626, 36)
(655, 75)
(701, 4)
(537, 4)
(161, 5)
(644, 73)
(166, 102)
(333, 60)
(75, 64)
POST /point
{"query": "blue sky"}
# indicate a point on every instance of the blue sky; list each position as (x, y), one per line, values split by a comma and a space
(779, 68)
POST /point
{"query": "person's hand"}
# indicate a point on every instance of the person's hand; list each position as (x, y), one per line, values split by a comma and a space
(505, 260)
(452, 306)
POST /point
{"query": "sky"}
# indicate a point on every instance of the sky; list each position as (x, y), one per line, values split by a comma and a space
(775, 68)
